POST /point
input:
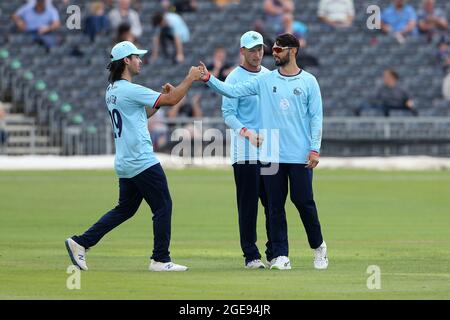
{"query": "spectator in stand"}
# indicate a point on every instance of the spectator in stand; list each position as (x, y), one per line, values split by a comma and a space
(97, 21)
(190, 110)
(304, 59)
(124, 14)
(268, 40)
(432, 20)
(275, 12)
(443, 53)
(40, 19)
(220, 67)
(3, 134)
(399, 20)
(170, 29)
(124, 33)
(180, 6)
(336, 13)
(443, 56)
(224, 3)
(390, 97)
(186, 109)
(159, 131)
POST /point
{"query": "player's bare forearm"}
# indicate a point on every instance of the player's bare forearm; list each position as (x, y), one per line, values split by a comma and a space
(176, 94)
(150, 112)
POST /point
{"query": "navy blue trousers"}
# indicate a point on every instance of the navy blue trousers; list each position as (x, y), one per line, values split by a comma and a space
(250, 188)
(299, 180)
(151, 185)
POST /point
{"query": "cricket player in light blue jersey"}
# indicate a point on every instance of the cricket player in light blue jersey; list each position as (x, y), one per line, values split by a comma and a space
(140, 174)
(291, 107)
(242, 115)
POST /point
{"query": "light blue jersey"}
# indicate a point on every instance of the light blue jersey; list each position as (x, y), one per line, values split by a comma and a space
(241, 113)
(126, 103)
(291, 113)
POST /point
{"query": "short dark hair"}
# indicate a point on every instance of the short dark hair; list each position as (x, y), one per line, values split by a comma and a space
(157, 19)
(288, 40)
(122, 29)
(393, 73)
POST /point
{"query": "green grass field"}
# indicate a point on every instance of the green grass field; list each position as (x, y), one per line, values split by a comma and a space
(399, 221)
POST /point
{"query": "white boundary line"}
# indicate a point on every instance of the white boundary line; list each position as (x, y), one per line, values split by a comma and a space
(107, 162)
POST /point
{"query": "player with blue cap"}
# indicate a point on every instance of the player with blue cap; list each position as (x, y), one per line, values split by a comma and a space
(140, 173)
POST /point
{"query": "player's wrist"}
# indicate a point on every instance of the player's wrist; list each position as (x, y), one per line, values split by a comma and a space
(314, 152)
(206, 77)
(243, 132)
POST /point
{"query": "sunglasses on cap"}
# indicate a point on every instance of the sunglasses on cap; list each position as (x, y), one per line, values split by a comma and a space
(280, 49)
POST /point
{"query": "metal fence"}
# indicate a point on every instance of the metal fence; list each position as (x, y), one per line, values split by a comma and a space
(341, 137)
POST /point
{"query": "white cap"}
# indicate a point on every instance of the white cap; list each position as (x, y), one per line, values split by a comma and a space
(124, 49)
(251, 39)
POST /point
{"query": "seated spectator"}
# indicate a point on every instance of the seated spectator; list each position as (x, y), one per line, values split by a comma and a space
(399, 20)
(224, 3)
(124, 14)
(3, 133)
(390, 97)
(446, 87)
(220, 67)
(40, 19)
(191, 110)
(180, 6)
(336, 13)
(304, 59)
(124, 33)
(443, 53)
(274, 13)
(431, 19)
(268, 39)
(170, 29)
(443, 56)
(97, 21)
(159, 131)
(186, 109)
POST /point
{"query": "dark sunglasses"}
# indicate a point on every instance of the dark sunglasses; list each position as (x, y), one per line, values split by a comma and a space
(280, 49)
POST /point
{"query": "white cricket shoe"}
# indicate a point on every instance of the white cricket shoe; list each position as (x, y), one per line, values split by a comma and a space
(270, 263)
(255, 264)
(320, 257)
(77, 254)
(165, 266)
(281, 263)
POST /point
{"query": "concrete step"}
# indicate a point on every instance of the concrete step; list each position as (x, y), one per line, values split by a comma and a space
(19, 118)
(17, 151)
(39, 140)
(19, 127)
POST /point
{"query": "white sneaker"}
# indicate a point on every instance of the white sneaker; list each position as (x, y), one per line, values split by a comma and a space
(255, 264)
(320, 257)
(281, 263)
(77, 254)
(270, 263)
(165, 266)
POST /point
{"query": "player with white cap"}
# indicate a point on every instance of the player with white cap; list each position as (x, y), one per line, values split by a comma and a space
(243, 117)
(140, 173)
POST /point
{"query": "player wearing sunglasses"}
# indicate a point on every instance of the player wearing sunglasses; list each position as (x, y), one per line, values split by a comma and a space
(291, 109)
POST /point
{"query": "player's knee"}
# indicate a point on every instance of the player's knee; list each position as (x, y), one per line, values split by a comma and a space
(303, 202)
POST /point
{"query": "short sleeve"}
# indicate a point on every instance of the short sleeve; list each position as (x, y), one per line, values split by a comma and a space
(321, 9)
(145, 97)
(21, 11)
(54, 15)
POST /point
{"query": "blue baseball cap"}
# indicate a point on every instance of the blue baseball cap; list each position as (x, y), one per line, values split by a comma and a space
(251, 39)
(124, 49)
